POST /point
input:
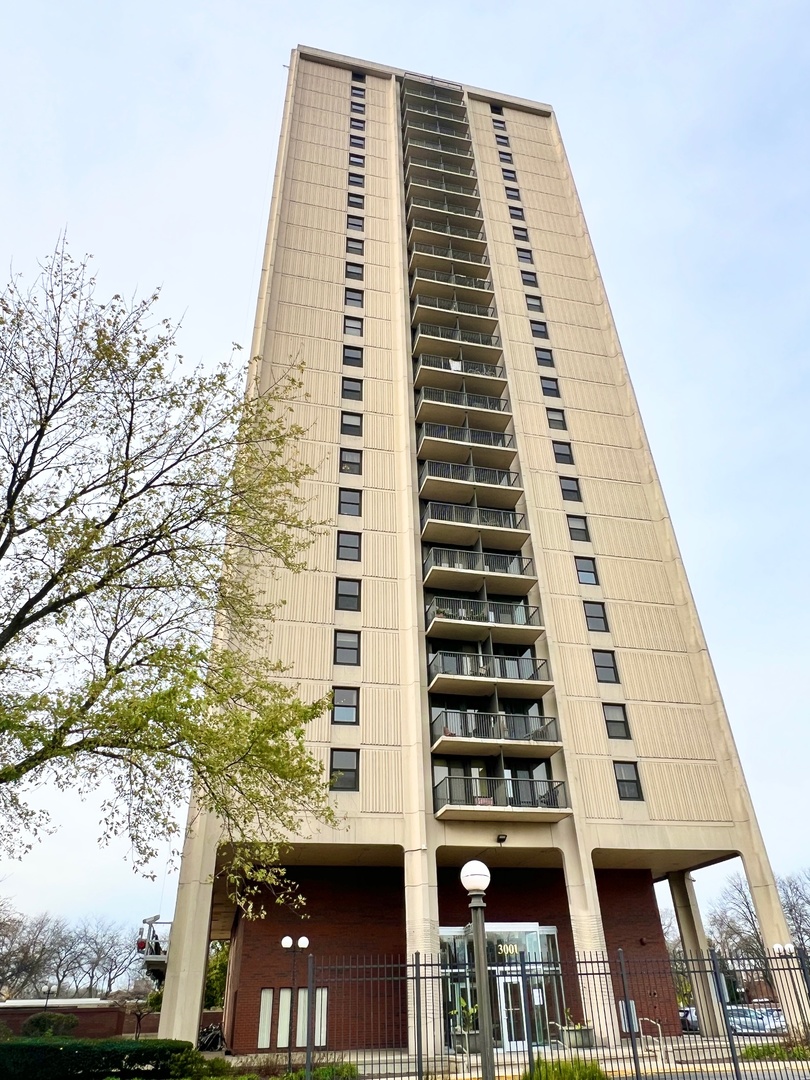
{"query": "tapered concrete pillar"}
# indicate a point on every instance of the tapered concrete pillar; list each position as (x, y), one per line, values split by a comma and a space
(696, 950)
(188, 948)
(422, 935)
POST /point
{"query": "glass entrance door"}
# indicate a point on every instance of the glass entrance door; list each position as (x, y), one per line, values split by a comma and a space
(510, 1006)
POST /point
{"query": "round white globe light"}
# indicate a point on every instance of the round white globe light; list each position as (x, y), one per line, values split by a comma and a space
(475, 876)
(303, 943)
(287, 942)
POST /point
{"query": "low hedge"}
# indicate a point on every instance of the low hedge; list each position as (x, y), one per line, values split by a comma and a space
(775, 1052)
(566, 1069)
(57, 1058)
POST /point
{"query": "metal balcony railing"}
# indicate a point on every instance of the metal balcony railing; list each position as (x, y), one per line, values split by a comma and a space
(446, 229)
(437, 128)
(454, 254)
(435, 110)
(476, 436)
(432, 92)
(498, 791)
(478, 562)
(461, 280)
(505, 727)
(441, 165)
(460, 367)
(461, 399)
(485, 611)
(444, 185)
(472, 515)
(488, 666)
(471, 474)
(446, 207)
(437, 146)
(453, 333)
(463, 307)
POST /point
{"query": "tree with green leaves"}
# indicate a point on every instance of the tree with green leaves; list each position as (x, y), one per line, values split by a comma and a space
(141, 508)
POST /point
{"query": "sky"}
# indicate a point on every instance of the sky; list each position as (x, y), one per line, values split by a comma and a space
(149, 132)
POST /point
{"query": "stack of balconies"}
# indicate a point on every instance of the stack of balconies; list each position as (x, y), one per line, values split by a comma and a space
(491, 740)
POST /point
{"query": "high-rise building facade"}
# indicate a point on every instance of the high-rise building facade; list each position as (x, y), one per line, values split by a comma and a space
(499, 605)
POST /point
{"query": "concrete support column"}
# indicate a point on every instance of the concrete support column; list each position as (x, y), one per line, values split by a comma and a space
(696, 950)
(188, 949)
(422, 935)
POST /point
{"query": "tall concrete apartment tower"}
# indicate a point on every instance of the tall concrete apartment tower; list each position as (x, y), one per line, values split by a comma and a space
(499, 605)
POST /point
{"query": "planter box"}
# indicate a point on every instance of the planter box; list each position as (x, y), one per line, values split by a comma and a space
(577, 1038)
(461, 1042)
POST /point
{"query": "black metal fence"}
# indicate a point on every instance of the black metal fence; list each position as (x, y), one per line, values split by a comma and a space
(699, 1016)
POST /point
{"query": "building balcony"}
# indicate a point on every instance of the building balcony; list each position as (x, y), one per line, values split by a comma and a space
(483, 673)
(477, 620)
(442, 148)
(456, 373)
(422, 206)
(463, 239)
(431, 337)
(419, 168)
(446, 481)
(450, 285)
(468, 571)
(448, 96)
(454, 406)
(518, 735)
(473, 798)
(446, 442)
(414, 126)
(434, 110)
(451, 523)
(452, 310)
(425, 184)
(437, 257)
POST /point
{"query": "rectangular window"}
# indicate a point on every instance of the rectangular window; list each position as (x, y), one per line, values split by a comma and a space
(534, 303)
(265, 1013)
(358, 76)
(616, 721)
(563, 454)
(528, 277)
(524, 255)
(596, 616)
(502, 140)
(352, 356)
(357, 159)
(544, 357)
(350, 502)
(351, 388)
(586, 570)
(549, 386)
(520, 232)
(353, 298)
(345, 705)
(539, 329)
(351, 423)
(569, 485)
(356, 200)
(351, 461)
(556, 418)
(605, 664)
(347, 594)
(354, 271)
(357, 125)
(516, 213)
(352, 326)
(359, 141)
(505, 157)
(499, 125)
(357, 107)
(512, 193)
(627, 780)
(578, 527)
(344, 770)
(354, 221)
(348, 546)
(347, 647)
(509, 174)
(356, 179)
(358, 91)
(284, 1017)
(496, 109)
(355, 247)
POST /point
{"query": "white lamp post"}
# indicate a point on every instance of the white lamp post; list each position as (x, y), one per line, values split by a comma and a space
(475, 878)
(296, 946)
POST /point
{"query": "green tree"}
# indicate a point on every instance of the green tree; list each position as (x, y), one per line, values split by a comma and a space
(216, 974)
(137, 502)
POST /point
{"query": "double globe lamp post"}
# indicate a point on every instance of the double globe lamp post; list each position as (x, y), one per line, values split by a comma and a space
(296, 946)
(475, 878)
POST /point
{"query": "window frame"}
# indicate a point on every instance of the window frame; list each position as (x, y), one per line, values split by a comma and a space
(347, 467)
(352, 326)
(547, 388)
(337, 775)
(355, 246)
(570, 489)
(544, 357)
(589, 570)
(537, 301)
(512, 193)
(556, 425)
(357, 92)
(352, 595)
(505, 157)
(353, 298)
(563, 452)
(499, 125)
(354, 271)
(358, 76)
(350, 360)
(625, 784)
(342, 546)
(357, 141)
(525, 256)
(510, 175)
(529, 279)
(516, 213)
(358, 161)
(502, 140)
(356, 222)
(356, 125)
(355, 707)
(351, 393)
(355, 200)
(612, 667)
(343, 502)
(520, 232)
(623, 721)
(539, 329)
(358, 107)
(347, 425)
(338, 648)
(356, 179)
(596, 616)
(586, 539)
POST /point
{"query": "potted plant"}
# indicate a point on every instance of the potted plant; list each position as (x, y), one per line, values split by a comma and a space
(574, 1035)
(464, 1037)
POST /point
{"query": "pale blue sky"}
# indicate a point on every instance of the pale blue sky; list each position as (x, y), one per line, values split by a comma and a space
(150, 131)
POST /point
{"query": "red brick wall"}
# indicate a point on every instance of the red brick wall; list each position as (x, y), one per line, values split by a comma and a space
(102, 1022)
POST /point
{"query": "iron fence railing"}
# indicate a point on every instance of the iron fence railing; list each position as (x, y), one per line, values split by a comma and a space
(441, 165)
(482, 284)
(478, 436)
(480, 516)
(486, 611)
(485, 791)
(443, 185)
(503, 727)
(455, 254)
(446, 228)
(460, 366)
(487, 666)
(462, 399)
(463, 307)
(471, 474)
(479, 562)
(445, 207)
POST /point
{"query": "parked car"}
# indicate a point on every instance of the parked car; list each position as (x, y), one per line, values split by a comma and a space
(689, 1019)
(744, 1020)
(774, 1020)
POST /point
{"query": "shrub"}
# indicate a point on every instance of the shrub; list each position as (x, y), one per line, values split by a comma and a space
(5, 1031)
(57, 1058)
(575, 1069)
(776, 1052)
(338, 1070)
(48, 1023)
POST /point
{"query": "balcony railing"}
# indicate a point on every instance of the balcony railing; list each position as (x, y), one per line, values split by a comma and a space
(470, 474)
(444, 185)
(453, 333)
(461, 367)
(441, 164)
(446, 207)
(478, 562)
(432, 93)
(461, 399)
(453, 254)
(476, 436)
(472, 515)
(435, 110)
(463, 307)
(439, 129)
(484, 611)
(446, 229)
(437, 146)
(504, 727)
(488, 666)
(496, 791)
